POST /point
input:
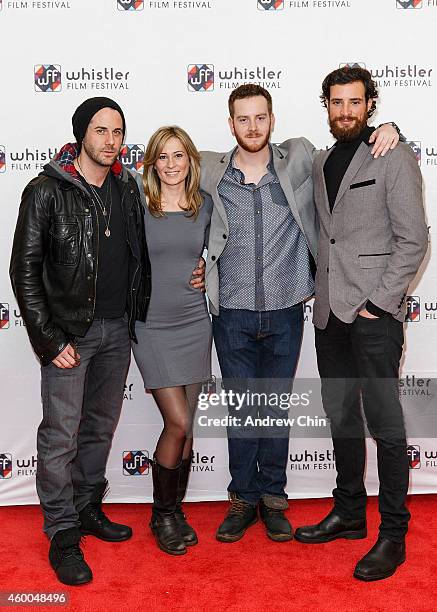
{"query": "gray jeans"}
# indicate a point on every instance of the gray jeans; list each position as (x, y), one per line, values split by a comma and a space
(81, 409)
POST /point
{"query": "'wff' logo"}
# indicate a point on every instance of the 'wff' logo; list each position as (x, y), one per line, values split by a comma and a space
(413, 308)
(413, 453)
(5, 465)
(2, 159)
(409, 4)
(136, 463)
(416, 145)
(270, 5)
(47, 77)
(132, 156)
(200, 77)
(130, 5)
(353, 65)
(4, 316)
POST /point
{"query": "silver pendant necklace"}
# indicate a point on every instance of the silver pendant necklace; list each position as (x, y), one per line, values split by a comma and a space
(99, 201)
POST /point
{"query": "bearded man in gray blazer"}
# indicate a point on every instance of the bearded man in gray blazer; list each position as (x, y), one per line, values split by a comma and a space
(262, 241)
(373, 238)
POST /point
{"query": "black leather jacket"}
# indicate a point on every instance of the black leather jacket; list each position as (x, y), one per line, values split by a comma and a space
(54, 263)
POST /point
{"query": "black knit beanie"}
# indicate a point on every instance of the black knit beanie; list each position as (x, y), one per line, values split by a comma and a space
(86, 111)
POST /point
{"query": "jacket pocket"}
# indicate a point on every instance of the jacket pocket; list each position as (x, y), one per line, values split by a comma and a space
(373, 260)
(307, 183)
(363, 184)
(64, 243)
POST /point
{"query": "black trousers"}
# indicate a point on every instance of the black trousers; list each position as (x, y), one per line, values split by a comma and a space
(359, 367)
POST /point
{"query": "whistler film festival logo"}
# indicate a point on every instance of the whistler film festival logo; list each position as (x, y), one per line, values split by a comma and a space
(5, 465)
(204, 77)
(202, 463)
(425, 154)
(413, 308)
(270, 5)
(47, 77)
(132, 156)
(413, 452)
(306, 460)
(130, 5)
(409, 4)
(4, 315)
(416, 147)
(2, 159)
(200, 77)
(136, 463)
(407, 75)
(29, 159)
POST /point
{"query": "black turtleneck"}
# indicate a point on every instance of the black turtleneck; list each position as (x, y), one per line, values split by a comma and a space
(338, 162)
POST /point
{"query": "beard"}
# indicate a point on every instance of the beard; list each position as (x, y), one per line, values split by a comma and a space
(247, 145)
(98, 156)
(346, 134)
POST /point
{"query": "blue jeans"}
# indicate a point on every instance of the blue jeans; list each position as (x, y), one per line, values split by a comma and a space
(81, 409)
(258, 345)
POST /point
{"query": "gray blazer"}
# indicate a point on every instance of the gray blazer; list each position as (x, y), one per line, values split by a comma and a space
(372, 244)
(293, 161)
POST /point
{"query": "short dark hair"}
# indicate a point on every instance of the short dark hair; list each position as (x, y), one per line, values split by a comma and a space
(350, 74)
(250, 90)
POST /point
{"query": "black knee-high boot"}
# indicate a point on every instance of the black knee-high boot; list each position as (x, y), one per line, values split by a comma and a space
(188, 534)
(164, 524)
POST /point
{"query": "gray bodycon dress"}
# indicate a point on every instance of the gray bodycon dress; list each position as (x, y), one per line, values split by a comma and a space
(174, 344)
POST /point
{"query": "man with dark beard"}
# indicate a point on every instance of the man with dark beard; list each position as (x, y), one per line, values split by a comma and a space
(262, 245)
(373, 237)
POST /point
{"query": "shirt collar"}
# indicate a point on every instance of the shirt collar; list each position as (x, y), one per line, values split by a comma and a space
(237, 173)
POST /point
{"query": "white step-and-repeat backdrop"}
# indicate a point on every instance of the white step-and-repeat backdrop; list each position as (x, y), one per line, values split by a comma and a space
(177, 62)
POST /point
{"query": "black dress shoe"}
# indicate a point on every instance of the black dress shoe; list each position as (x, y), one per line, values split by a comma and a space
(381, 561)
(277, 525)
(66, 558)
(93, 521)
(331, 528)
(240, 516)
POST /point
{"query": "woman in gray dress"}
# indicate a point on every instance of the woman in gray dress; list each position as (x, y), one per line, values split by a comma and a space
(173, 352)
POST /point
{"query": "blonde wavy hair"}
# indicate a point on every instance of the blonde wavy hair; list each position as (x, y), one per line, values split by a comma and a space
(151, 181)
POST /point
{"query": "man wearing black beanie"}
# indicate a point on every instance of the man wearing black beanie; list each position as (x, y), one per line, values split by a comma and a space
(81, 275)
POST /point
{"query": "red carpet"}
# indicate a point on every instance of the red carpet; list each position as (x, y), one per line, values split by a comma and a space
(253, 574)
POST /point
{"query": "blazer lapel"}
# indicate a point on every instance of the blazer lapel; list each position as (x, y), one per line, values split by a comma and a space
(356, 163)
(280, 165)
